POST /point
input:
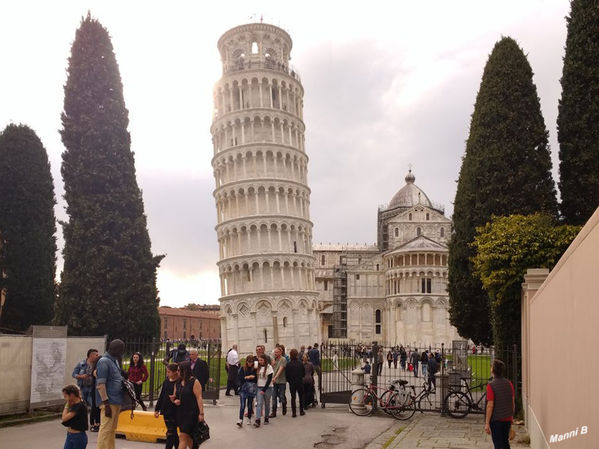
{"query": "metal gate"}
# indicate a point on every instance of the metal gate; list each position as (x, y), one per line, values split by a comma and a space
(212, 353)
(337, 364)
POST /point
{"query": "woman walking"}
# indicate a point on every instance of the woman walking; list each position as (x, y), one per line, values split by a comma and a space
(138, 373)
(247, 377)
(389, 358)
(265, 373)
(308, 383)
(190, 407)
(294, 372)
(165, 406)
(74, 418)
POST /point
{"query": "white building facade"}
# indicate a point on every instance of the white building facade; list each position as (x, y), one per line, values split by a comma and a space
(262, 198)
(394, 292)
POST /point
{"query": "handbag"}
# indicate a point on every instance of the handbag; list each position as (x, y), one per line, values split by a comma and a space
(249, 389)
(201, 433)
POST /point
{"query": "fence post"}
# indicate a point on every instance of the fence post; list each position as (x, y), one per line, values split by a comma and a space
(375, 363)
(444, 382)
(152, 369)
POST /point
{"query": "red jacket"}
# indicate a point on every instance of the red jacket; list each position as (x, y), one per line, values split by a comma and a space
(138, 373)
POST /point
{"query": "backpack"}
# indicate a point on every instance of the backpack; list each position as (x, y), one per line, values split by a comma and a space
(129, 399)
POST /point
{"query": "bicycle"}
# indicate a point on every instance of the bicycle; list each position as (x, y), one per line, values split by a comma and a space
(364, 401)
(459, 403)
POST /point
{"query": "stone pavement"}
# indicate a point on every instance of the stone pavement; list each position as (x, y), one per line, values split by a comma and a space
(433, 431)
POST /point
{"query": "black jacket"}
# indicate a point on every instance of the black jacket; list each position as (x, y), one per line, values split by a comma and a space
(201, 372)
(295, 372)
(164, 404)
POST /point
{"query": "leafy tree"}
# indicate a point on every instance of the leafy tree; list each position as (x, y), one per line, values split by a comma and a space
(27, 225)
(506, 169)
(108, 285)
(578, 118)
(505, 248)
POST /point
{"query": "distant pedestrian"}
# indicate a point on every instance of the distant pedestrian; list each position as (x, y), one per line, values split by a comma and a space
(395, 357)
(433, 367)
(138, 373)
(177, 355)
(403, 356)
(500, 407)
(264, 382)
(295, 372)
(166, 407)
(424, 363)
(367, 368)
(380, 362)
(199, 368)
(308, 383)
(414, 359)
(232, 365)
(314, 356)
(74, 418)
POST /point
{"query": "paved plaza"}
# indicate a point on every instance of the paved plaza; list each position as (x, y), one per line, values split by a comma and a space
(332, 427)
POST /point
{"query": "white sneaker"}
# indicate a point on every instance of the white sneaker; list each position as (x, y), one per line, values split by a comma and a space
(239, 423)
(249, 421)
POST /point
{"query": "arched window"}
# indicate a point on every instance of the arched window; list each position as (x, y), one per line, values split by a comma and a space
(284, 321)
(377, 319)
(322, 260)
(410, 217)
(396, 232)
(428, 217)
(442, 232)
(254, 48)
(418, 232)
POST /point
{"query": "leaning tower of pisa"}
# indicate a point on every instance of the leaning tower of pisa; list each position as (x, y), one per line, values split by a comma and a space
(262, 196)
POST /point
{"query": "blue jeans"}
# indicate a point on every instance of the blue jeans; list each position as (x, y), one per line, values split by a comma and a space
(500, 434)
(76, 441)
(245, 400)
(424, 369)
(263, 400)
(279, 392)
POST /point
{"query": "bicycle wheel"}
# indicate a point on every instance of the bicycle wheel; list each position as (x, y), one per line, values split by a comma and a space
(387, 401)
(458, 404)
(365, 406)
(425, 403)
(402, 411)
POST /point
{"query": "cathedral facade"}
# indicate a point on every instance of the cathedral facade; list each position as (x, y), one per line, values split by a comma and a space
(393, 292)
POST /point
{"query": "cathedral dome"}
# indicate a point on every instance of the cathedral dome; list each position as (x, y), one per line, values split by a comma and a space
(409, 195)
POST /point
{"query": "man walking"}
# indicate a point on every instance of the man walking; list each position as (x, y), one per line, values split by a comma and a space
(433, 367)
(86, 382)
(199, 368)
(414, 359)
(232, 369)
(279, 381)
(109, 392)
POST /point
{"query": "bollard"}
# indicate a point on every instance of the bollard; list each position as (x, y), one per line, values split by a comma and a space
(357, 382)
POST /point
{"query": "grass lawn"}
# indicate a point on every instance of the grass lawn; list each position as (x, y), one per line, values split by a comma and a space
(343, 363)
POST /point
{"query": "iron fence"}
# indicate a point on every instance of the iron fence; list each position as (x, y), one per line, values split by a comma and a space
(154, 353)
(460, 367)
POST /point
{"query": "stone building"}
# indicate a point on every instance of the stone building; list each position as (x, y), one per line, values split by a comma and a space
(182, 324)
(262, 197)
(394, 292)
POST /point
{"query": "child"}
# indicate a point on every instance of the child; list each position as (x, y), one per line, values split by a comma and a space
(74, 418)
(166, 407)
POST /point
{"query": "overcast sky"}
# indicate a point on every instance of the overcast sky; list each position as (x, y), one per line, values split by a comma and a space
(387, 84)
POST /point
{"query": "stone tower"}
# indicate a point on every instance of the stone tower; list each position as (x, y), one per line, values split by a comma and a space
(262, 197)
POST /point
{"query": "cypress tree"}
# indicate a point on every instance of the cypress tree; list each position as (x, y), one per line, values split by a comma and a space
(578, 117)
(27, 227)
(108, 285)
(506, 169)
